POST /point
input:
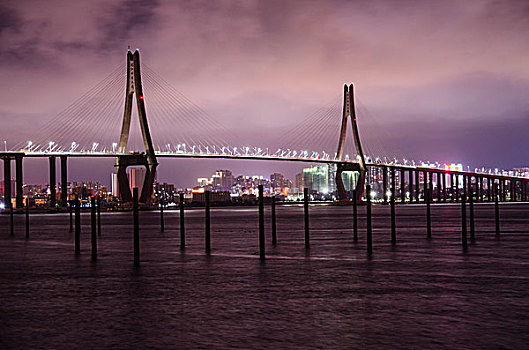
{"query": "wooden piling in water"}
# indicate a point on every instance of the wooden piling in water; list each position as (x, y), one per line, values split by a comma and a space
(99, 216)
(355, 217)
(464, 242)
(306, 212)
(208, 228)
(182, 223)
(11, 220)
(93, 224)
(274, 228)
(27, 217)
(393, 220)
(471, 210)
(162, 220)
(136, 224)
(261, 224)
(428, 200)
(77, 235)
(70, 210)
(497, 208)
(369, 235)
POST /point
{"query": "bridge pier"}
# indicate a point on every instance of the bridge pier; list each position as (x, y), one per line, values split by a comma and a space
(430, 185)
(410, 185)
(393, 184)
(385, 184)
(466, 182)
(456, 188)
(503, 190)
(392, 209)
(7, 182)
(402, 186)
(417, 190)
(443, 186)
(64, 181)
(497, 189)
(53, 181)
(424, 184)
(489, 189)
(19, 182)
(439, 187)
(481, 188)
(452, 190)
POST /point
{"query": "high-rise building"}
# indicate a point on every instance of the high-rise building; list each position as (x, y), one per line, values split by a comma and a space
(331, 177)
(223, 179)
(319, 178)
(299, 182)
(349, 179)
(277, 181)
(316, 178)
(204, 181)
(115, 185)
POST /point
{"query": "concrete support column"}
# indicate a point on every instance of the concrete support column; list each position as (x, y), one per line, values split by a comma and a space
(64, 181)
(7, 182)
(424, 184)
(491, 188)
(430, 185)
(481, 189)
(452, 186)
(53, 182)
(417, 188)
(402, 185)
(385, 184)
(443, 186)
(410, 184)
(393, 183)
(19, 182)
(439, 189)
(466, 182)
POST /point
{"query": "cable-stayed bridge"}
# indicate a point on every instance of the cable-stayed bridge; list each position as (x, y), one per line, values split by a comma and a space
(178, 128)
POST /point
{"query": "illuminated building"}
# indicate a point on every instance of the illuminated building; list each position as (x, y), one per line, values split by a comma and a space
(115, 185)
(164, 192)
(316, 178)
(223, 179)
(299, 182)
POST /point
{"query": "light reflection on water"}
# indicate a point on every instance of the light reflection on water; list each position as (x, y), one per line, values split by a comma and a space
(419, 294)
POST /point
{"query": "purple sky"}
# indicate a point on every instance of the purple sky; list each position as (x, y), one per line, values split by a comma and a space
(446, 80)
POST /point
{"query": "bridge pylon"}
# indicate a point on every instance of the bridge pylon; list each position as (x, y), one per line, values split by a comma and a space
(147, 158)
(349, 111)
